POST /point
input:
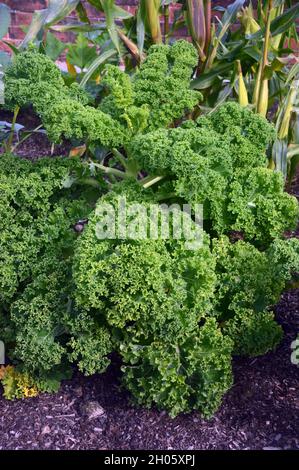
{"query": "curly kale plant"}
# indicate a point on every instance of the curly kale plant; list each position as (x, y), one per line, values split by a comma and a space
(154, 295)
(158, 94)
(38, 324)
(250, 283)
(223, 167)
(175, 315)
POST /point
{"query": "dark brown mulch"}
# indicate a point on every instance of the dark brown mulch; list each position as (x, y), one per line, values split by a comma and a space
(261, 410)
(37, 145)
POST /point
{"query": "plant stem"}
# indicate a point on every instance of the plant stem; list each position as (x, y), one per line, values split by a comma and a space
(90, 182)
(152, 12)
(111, 171)
(26, 137)
(131, 46)
(257, 85)
(150, 181)
(120, 158)
(10, 140)
(267, 35)
(166, 23)
(208, 19)
(243, 97)
(262, 103)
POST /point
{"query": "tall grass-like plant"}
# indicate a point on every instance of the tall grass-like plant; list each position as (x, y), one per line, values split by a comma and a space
(263, 83)
(285, 150)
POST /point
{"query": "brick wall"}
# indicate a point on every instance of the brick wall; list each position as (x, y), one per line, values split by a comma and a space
(22, 11)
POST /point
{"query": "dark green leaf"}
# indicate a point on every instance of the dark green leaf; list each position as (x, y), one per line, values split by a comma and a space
(207, 79)
(14, 49)
(117, 11)
(80, 53)
(82, 13)
(229, 17)
(281, 24)
(53, 47)
(95, 65)
(293, 165)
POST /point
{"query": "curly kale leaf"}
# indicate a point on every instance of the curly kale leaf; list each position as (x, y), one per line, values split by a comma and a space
(223, 167)
(89, 345)
(253, 333)
(249, 283)
(230, 116)
(159, 94)
(259, 207)
(62, 109)
(192, 372)
(157, 283)
(163, 83)
(37, 212)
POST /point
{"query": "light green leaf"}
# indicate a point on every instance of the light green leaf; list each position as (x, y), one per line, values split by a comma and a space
(140, 28)
(281, 23)
(80, 53)
(5, 60)
(207, 79)
(54, 47)
(96, 64)
(57, 10)
(108, 7)
(293, 150)
(279, 155)
(117, 11)
(293, 72)
(4, 19)
(78, 27)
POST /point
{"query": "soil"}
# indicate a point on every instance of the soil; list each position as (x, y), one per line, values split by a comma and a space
(261, 411)
(37, 145)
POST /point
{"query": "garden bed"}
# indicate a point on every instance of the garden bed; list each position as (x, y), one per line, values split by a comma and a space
(102, 297)
(260, 411)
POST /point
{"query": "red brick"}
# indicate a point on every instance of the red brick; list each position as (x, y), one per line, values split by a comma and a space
(22, 10)
(20, 18)
(65, 37)
(25, 5)
(127, 2)
(131, 8)
(16, 32)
